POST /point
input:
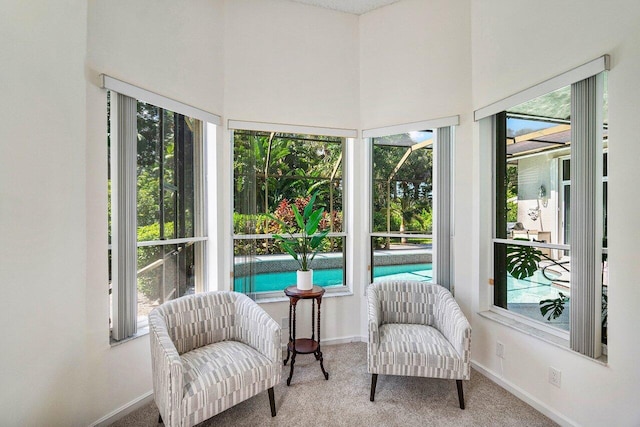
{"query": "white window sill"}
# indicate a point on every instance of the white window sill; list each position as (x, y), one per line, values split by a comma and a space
(142, 330)
(537, 333)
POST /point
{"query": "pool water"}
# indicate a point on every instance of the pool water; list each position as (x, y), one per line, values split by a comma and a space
(420, 272)
(531, 290)
(277, 281)
(528, 291)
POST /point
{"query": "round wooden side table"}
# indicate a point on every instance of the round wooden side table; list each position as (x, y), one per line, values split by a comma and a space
(304, 345)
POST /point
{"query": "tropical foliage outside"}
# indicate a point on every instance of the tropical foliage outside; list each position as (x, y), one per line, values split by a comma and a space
(402, 173)
(274, 172)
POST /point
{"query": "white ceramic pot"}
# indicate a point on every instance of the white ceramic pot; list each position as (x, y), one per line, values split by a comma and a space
(305, 280)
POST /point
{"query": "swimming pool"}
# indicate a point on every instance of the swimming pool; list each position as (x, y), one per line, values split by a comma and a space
(531, 290)
(528, 291)
(277, 281)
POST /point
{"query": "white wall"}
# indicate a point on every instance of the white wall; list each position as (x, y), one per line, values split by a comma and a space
(290, 63)
(515, 45)
(414, 62)
(163, 46)
(43, 210)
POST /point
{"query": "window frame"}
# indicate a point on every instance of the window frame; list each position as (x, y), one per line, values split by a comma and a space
(129, 185)
(348, 135)
(442, 274)
(576, 76)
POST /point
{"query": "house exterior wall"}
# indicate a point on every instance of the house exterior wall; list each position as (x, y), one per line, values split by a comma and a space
(533, 172)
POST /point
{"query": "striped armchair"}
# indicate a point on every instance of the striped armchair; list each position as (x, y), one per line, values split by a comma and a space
(211, 351)
(417, 329)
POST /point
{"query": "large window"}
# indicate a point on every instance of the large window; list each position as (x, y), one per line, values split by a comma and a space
(273, 172)
(549, 245)
(156, 215)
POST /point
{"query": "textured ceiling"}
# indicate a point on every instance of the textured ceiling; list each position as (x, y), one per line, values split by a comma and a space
(357, 7)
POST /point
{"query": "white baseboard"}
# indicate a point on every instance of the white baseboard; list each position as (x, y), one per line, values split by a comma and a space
(343, 340)
(124, 410)
(523, 395)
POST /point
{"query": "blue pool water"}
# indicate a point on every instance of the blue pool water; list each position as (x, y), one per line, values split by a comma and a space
(277, 281)
(530, 290)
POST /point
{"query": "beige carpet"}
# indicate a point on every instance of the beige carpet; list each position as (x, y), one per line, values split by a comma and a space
(343, 400)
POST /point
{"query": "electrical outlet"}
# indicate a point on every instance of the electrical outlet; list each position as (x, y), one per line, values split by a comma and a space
(285, 323)
(499, 349)
(555, 376)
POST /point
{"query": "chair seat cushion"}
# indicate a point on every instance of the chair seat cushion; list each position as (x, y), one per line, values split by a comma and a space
(220, 375)
(416, 350)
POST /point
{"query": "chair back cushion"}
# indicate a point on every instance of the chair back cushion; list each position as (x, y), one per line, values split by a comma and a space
(408, 301)
(197, 320)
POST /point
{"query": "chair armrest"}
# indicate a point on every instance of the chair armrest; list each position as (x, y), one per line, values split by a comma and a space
(257, 329)
(375, 318)
(167, 369)
(452, 323)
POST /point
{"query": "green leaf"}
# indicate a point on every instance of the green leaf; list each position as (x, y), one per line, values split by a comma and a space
(317, 239)
(299, 218)
(522, 261)
(309, 208)
(291, 252)
(314, 220)
(553, 308)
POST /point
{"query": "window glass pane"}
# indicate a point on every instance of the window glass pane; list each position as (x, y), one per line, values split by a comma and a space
(566, 170)
(165, 272)
(274, 174)
(402, 183)
(265, 273)
(165, 177)
(537, 282)
(532, 199)
(406, 259)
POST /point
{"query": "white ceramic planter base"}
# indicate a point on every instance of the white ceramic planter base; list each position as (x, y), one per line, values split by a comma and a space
(305, 280)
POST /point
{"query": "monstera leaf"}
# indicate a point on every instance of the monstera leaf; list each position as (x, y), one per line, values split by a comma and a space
(553, 308)
(522, 261)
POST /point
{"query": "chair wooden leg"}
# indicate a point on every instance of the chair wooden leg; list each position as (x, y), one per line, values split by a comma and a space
(374, 380)
(272, 402)
(460, 393)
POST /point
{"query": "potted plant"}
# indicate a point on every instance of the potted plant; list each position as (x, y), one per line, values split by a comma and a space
(303, 240)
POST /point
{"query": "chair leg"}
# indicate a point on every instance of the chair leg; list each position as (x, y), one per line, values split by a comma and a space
(374, 380)
(460, 393)
(272, 402)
